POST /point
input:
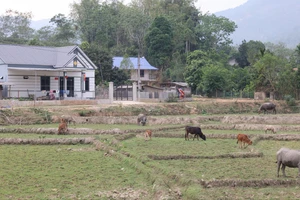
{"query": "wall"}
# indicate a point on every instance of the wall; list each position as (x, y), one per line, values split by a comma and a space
(21, 87)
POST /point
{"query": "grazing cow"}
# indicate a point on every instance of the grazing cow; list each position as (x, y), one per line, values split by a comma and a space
(148, 134)
(142, 119)
(69, 119)
(288, 158)
(196, 131)
(266, 107)
(242, 139)
(270, 128)
(63, 127)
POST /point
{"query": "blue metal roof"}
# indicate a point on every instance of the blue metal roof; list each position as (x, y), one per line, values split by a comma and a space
(143, 63)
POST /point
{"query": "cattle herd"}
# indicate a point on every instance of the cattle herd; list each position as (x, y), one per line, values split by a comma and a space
(285, 157)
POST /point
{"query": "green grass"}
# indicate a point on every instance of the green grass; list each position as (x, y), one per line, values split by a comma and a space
(81, 172)
(56, 172)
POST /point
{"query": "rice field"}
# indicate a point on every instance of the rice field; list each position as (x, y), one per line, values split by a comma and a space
(122, 166)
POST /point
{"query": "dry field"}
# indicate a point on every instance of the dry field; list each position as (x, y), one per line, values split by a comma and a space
(105, 155)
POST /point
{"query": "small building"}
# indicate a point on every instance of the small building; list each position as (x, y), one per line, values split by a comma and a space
(148, 73)
(67, 72)
(174, 86)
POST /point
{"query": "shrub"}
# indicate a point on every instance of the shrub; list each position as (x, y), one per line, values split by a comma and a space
(290, 101)
(172, 98)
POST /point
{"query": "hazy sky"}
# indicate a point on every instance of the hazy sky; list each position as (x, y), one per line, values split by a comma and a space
(47, 9)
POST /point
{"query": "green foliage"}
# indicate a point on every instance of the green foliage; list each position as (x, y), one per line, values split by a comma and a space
(268, 69)
(215, 78)
(15, 27)
(46, 115)
(213, 32)
(290, 101)
(159, 42)
(86, 113)
(64, 32)
(172, 98)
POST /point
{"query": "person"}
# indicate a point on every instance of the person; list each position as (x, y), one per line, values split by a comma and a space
(51, 94)
(181, 93)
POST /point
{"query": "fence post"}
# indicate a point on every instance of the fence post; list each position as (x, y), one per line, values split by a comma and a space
(134, 92)
(111, 92)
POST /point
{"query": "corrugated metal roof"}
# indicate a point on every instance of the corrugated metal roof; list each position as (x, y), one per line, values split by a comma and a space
(143, 63)
(36, 55)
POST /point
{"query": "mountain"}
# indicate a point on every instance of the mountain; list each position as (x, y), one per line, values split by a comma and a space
(40, 23)
(266, 21)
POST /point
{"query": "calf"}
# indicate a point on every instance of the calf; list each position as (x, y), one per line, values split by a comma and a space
(242, 139)
(148, 134)
(63, 127)
(194, 130)
(270, 128)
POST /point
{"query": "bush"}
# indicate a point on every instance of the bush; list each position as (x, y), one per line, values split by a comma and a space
(290, 101)
(172, 98)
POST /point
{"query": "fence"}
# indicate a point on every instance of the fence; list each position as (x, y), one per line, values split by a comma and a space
(228, 94)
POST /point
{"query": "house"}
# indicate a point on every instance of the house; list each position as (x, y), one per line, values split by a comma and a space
(148, 73)
(66, 72)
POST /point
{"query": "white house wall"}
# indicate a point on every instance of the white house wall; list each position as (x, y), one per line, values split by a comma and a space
(20, 87)
(145, 78)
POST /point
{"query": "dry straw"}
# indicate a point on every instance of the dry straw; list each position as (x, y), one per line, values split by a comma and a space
(248, 183)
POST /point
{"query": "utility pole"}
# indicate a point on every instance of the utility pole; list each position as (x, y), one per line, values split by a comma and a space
(139, 81)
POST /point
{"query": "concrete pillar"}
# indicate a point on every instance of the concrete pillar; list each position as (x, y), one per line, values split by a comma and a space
(111, 92)
(134, 92)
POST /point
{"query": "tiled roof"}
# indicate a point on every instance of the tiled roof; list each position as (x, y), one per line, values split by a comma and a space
(143, 63)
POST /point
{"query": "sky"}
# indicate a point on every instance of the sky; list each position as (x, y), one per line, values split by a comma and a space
(47, 9)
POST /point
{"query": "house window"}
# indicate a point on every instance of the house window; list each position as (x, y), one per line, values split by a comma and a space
(142, 73)
(45, 83)
(87, 84)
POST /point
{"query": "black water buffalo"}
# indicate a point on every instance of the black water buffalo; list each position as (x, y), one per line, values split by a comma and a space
(267, 106)
(142, 119)
(194, 130)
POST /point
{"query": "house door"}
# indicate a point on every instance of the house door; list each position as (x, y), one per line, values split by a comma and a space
(61, 86)
(70, 86)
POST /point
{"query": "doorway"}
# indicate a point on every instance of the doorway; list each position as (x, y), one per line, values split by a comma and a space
(70, 86)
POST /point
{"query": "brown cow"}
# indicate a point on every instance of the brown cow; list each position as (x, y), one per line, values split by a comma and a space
(63, 126)
(242, 139)
(148, 134)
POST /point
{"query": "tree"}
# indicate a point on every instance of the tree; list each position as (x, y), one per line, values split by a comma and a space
(193, 73)
(87, 17)
(268, 69)
(15, 27)
(241, 77)
(215, 78)
(249, 53)
(159, 43)
(105, 72)
(64, 32)
(213, 32)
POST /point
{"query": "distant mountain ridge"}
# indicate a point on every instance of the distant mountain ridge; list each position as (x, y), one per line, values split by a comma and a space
(266, 21)
(40, 23)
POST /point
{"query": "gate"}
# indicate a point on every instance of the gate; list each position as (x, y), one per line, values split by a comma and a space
(123, 93)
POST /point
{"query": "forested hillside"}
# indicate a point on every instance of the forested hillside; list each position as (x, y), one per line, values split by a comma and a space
(177, 38)
(267, 21)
